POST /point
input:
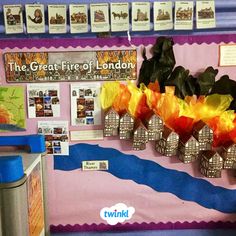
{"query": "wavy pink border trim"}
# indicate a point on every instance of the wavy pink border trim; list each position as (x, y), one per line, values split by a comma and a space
(143, 226)
(115, 41)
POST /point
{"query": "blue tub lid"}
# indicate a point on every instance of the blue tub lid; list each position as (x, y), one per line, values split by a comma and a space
(11, 169)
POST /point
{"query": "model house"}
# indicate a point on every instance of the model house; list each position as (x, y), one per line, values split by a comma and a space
(188, 149)
(126, 126)
(140, 137)
(111, 124)
(168, 144)
(211, 164)
(228, 154)
(155, 125)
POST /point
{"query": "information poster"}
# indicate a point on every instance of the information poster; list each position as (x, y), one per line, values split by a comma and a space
(71, 66)
(57, 19)
(227, 55)
(205, 14)
(13, 19)
(99, 13)
(56, 136)
(43, 100)
(35, 18)
(12, 108)
(184, 15)
(140, 16)
(119, 16)
(78, 18)
(163, 19)
(85, 104)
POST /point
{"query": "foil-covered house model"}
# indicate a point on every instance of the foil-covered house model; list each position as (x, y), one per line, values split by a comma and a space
(228, 154)
(168, 144)
(204, 135)
(126, 126)
(140, 137)
(211, 164)
(155, 125)
(188, 149)
(112, 122)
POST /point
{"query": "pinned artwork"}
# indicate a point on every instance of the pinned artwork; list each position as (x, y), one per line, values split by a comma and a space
(57, 19)
(85, 105)
(205, 14)
(119, 16)
(183, 15)
(43, 100)
(168, 144)
(78, 18)
(99, 14)
(163, 19)
(12, 108)
(111, 123)
(35, 18)
(56, 136)
(140, 137)
(211, 164)
(140, 16)
(13, 18)
(126, 126)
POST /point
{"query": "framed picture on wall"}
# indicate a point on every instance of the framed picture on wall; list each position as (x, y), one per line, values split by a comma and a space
(13, 19)
(78, 18)
(35, 18)
(99, 14)
(57, 19)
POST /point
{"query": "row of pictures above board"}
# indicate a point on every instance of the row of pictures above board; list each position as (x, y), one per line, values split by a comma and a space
(102, 21)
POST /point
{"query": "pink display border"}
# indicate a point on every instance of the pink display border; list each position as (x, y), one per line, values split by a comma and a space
(109, 42)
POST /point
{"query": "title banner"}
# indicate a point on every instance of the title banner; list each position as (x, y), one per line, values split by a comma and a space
(70, 66)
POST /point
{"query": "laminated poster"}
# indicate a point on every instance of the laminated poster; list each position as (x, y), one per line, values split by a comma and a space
(56, 136)
(13, 19)
(57, 19)
(163, 17)
(99, 14)
(85, 104)
(78, 18)
(140, 16)
(205, 14)
(184, 15)
(35, 18)
(119, 16)
(12, 108)
(43, 100)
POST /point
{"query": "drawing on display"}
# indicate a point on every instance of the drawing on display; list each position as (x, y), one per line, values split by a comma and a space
(120, 15)
(99, 16)
(163, 15)
(141, 16)
(184, 13)
(206, 13)
(79, 17)
(13, 18)
(37, 18)
(57, 20)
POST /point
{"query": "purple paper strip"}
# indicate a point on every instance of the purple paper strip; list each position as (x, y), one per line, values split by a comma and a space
(117, 41)
(143, 226)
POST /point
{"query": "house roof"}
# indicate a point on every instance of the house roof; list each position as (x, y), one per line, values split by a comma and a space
(150, 115)
(109, 110)
(200, 125)
(167, 131)
(185, 139)
(139, 124)
(127, 114)
(208, 154)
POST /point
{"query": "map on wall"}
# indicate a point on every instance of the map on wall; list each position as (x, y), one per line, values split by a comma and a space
(71, 66)
(12, 110)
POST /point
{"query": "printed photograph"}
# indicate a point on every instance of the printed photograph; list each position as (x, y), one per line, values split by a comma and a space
(37, 18)
(184, 13)
(206, 13)
(13, 16)
(78, 17)
(163, 15)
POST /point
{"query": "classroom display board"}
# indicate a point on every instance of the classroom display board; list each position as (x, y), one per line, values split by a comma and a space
(113, 177)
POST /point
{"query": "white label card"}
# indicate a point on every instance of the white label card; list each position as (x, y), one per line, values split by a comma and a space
(140, 16)
(43, 100)
(87, 135)
(163, 19)
(99, 17)
(184, 15)
(119, 16)
(56, 136)
(95, 165)
(57, 19)
(205, 14)
(227, 55)
(78, 18)
(85, 104)
(35, 18)
(13, 19)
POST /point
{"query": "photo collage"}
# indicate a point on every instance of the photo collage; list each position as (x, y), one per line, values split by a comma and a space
(43, 100)
(56, 136)
(85, 108)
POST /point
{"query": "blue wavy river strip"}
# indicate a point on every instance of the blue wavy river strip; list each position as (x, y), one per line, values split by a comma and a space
(151, 174)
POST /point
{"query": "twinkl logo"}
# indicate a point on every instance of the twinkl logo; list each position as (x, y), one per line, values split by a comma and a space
(117, 214)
